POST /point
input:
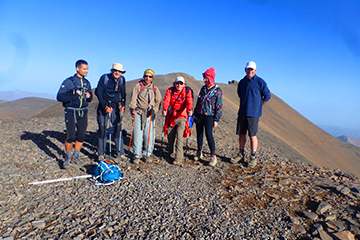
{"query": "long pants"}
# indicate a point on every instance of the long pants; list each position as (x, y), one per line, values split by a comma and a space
(116, 124)
(206, 122)
(175, 137)
(75, 120)
(140, 137)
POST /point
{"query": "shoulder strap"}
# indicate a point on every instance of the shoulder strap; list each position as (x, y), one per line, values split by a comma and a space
(73, 81)
(142, 86)
(106, 79)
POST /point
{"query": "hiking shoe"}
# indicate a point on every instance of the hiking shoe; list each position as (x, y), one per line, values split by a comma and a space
(77, 160)
(179, 162)
(136, 160)
(66, 162)
(213, 161)
(148, 159)
(199, 156)
(238, 159)
(252, 162)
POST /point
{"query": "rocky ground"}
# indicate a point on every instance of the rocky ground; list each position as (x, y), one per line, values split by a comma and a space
(284, 197)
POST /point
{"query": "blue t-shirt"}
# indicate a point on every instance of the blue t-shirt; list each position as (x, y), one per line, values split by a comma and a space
(252, 93)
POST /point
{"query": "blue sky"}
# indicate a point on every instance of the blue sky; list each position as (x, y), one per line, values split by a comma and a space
(307, 51)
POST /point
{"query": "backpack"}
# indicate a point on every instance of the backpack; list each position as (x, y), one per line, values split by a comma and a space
(106, 81)
(187, 89)
(142, 85)
(106, 173)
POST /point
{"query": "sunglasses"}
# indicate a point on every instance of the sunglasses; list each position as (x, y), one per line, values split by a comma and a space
(181, 83)
(149, 76)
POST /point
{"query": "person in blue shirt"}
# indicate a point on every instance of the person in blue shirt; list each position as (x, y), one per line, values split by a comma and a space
(75, 93)
(111, 93)
(253, 93)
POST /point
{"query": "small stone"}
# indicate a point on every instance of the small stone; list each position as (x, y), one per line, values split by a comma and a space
(296, 220)
(330, 217)
(345, 235)
(345, 190)
(324, 235)
(298, 229)
(40, 224)
(311, 215)
(335, 226)
(323, 207)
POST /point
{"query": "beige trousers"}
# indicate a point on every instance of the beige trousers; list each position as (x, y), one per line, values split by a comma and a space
(175, 138)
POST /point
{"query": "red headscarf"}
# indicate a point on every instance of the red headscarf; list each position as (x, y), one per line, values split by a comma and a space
(210, 74)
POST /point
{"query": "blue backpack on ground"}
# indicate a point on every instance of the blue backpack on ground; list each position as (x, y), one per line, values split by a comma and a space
(106, 173)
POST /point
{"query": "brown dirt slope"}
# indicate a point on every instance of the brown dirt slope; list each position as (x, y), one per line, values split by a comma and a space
(279, 119)
(24, 108)
(309, 140)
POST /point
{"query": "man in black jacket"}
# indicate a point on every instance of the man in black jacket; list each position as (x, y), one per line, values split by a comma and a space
(75, 94)
(111, 93)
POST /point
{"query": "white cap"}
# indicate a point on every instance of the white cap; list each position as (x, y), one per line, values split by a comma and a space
(180, 79)
(251, 64)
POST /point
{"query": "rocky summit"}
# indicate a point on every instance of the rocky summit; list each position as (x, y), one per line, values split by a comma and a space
(283, 197)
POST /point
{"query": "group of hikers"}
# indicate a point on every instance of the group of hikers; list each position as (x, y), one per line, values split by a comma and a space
(178, 111)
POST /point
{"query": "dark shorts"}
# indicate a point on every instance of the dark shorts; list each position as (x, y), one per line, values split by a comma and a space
(245, 124)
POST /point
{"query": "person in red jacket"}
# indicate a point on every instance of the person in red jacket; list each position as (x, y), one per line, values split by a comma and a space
(177, 106)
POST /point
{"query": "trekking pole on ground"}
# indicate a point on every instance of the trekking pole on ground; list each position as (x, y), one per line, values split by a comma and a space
(60, 179)
(148, 141)
(132, 131)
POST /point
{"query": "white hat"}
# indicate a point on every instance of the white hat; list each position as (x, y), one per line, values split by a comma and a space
(119, 67)
(251, 64)
(180, 79)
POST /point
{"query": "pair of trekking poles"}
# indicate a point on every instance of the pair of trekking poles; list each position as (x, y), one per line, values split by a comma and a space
(110, 130)
(162, 135)
(149, 135)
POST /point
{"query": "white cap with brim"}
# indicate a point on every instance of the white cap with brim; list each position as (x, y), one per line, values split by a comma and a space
(180, 79)
(251, 64)
(119, 67)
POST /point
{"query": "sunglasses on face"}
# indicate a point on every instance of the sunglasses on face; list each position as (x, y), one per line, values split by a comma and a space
(181, 83)
(117, 71)
(149, 76)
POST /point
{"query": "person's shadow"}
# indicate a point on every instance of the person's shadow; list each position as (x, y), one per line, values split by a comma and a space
(46, 141)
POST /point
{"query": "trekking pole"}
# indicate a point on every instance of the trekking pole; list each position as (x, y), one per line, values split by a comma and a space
(121, 141)
(162, 138)
(132, 131)
(60, 179)
(148, 141)
(110, 132)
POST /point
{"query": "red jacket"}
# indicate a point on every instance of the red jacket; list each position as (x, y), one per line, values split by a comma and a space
(177, 105)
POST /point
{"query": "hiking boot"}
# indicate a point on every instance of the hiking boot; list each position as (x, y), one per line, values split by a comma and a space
(136, 160)
(252, 162)
(213, 161)
(66, 162)
(199, 156)
(238, 159)
(179, 162)
(76, 159)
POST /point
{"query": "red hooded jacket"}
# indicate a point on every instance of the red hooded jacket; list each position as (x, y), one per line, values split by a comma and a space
(177, 105)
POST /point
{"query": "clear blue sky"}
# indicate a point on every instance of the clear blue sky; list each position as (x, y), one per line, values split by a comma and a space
(307, 51)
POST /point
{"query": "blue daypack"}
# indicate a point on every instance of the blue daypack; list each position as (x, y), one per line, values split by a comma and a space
(106, 173)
